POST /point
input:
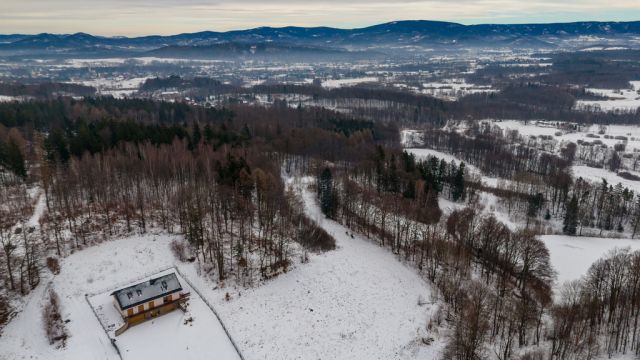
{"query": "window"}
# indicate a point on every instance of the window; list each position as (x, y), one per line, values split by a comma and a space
(164, 285)
(129, 295)
(139, 292)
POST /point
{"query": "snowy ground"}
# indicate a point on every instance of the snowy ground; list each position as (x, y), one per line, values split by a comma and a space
(170, 336)
(422, 154)
(5, 98)
(623, 99)
(571, 256)
(117, 87)
(336, 83)
(533, 128)
(595, 175)
(86, 271)
(453, 89)
(356, 302)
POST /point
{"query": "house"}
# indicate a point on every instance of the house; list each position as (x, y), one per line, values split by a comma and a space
(149, 299)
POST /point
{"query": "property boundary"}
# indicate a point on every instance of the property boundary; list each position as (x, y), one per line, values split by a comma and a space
(193, 287)
(106, 332)
(213, 310)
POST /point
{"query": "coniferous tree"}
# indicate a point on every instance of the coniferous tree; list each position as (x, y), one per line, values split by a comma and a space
(11, 158)
(571, 217)
(325, 193)
(458, 191)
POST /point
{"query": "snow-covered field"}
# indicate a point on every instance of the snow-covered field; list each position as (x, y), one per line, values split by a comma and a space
(356, 302)
(533, 128)
(596, 175)
(171, 335)
(137, 60)
(336, 83)
(571, 256)
(117, 87)
(453, 89)
(422, 154)
(469, 169)
(624, 99)
(86, 271)
(5, 98)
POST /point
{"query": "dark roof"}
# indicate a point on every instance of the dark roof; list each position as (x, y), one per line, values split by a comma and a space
(146, 291)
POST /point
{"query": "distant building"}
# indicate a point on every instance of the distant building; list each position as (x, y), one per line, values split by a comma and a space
(149, 299)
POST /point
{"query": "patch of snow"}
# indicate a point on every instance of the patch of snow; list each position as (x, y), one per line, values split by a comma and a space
(623, 99)
(5, 98)
(336, 83)
(597, 174)
(571, 256)
(170, 336)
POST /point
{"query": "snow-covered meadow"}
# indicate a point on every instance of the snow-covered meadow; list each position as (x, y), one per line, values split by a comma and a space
(173, 335)
(117, 87)
(358, 301)
(344, 82)
(622, 99)
(453, 89)
(571, 256)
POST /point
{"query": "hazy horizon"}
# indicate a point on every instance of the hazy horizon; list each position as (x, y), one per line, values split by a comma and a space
(165, 17)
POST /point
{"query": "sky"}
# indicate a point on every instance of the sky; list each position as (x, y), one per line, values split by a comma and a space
(144, 17)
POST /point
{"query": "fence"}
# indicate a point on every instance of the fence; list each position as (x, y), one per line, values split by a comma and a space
(106, 332)
(213, 310)
(147, 275)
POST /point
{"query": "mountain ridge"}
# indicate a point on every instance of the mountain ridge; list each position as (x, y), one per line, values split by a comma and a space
(396, 34)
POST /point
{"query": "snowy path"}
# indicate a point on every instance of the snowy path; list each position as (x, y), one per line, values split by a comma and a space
(38, 211)
(356, 302)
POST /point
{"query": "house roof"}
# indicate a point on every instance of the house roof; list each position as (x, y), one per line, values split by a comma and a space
(146, 291)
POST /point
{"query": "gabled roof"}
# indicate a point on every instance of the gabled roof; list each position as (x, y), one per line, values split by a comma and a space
(146, 291)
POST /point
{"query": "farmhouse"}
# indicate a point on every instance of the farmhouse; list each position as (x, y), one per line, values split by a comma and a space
(149, 299)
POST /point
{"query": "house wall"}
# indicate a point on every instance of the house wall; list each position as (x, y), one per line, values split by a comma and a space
(146, 306)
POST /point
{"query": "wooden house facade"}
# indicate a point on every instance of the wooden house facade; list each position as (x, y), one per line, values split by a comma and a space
(149, 299)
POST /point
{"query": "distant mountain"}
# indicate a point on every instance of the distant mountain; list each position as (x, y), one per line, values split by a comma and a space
(11, 38)
(262, 50)
(391, 37)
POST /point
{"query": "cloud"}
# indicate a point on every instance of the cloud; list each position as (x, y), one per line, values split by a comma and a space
(135, 17)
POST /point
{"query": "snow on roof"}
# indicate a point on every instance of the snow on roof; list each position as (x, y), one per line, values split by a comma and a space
(146, 291)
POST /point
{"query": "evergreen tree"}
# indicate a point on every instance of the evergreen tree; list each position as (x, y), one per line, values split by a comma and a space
(12, 159)
(197, 136)
(326, 194)
(56, 147)
(393, 177)
(208, 133)
(571, 217)
(458, 189)
(535, 204)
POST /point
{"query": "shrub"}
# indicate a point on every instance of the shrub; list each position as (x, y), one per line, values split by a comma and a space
(53, 265)
(5, 311)
(179, 250)
(533, 355)
(629, 176)
(53, 323)
(313, 237)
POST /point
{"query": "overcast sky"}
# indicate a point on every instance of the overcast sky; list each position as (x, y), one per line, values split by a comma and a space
(140, 17)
